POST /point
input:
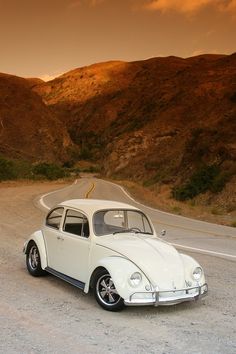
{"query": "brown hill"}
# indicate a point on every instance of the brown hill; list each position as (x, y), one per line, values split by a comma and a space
(33, 81)
(28, 128)
(152, 120)
(157, 121)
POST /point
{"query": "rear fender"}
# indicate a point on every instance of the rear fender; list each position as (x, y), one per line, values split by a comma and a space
(38, 238)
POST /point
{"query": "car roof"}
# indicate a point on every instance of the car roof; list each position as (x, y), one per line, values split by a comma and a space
(93, 205)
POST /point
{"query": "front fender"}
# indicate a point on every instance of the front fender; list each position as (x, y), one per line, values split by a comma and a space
(38, 238)
(120, 270)
(189, 265)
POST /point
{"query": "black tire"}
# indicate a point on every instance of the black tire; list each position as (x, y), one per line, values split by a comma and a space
(105, 292)
(33, 261)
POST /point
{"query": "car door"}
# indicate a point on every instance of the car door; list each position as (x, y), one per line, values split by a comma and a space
(75, 245)
(52, 236)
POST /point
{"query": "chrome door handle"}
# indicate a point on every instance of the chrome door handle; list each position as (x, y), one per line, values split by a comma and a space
(60, 238)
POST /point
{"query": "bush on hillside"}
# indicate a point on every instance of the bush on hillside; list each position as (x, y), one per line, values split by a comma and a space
(48, 170)
(7, 169)
(206, 178)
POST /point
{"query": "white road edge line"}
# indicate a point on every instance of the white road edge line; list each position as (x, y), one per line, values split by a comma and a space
(41, 199)
(199, 250)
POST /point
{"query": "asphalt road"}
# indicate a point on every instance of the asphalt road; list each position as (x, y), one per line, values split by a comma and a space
(184, 233)
(47, 315)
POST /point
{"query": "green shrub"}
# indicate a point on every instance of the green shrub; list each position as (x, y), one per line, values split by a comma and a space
(85, 153)
(7, 169)
(68, 164)
(48, 170)
(218, 183)
(89, 169)
(207, 178)
(15, 169)
(23, 169)
(94, 169)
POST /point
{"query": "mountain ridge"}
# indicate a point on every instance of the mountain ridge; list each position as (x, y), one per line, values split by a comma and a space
(169, 95)
(156, 121)
(28, 126)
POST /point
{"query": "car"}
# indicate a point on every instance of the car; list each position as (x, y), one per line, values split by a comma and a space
(112, 249)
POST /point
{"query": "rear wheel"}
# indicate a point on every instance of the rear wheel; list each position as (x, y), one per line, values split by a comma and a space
(105, 292)
(33, 261)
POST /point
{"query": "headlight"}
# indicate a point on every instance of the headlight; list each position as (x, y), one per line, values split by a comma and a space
(197, 273)
(135, 279)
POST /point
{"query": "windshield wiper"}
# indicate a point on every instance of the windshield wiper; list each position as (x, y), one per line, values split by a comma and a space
(132, 230)
(124, 230)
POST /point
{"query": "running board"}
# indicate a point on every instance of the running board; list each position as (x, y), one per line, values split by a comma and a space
(75, 282)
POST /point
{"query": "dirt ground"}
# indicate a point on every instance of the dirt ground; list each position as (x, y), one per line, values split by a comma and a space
(47, 315)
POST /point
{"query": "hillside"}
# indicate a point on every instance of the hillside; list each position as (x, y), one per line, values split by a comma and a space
(28, 128)
(131, 115)
(163, 122)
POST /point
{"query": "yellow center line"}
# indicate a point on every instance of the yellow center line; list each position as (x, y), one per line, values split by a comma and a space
(90, 191)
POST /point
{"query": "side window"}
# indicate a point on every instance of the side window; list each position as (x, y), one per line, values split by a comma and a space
(54, 218)
(76, 223)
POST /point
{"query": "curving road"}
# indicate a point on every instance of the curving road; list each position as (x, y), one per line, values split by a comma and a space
(46, 315)
(184, 233)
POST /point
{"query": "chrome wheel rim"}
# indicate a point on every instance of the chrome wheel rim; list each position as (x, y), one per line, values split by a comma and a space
(33, 257)
(106, 291)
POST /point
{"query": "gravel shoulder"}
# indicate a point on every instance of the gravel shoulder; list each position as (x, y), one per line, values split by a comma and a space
(47, 315)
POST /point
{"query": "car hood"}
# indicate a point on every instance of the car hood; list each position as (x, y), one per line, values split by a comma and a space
(158, 260)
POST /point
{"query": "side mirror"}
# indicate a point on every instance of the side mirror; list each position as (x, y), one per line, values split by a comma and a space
(163, 232)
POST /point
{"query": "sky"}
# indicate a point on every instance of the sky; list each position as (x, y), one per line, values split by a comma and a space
(45, 38)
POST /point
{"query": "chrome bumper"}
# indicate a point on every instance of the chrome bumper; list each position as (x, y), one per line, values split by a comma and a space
(167, 297)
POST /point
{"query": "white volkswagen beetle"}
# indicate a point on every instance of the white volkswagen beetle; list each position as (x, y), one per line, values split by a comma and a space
(112, 248)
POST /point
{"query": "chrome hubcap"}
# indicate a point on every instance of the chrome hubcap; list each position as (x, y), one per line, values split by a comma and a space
(106, 290)
(33, 257)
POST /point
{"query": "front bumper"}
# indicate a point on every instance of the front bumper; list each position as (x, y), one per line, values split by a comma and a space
(166, 297)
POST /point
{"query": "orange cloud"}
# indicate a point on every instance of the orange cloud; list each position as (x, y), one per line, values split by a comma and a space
(190, 6)
(95, 2)
(230, 6)
(91, 3)
(74, 4)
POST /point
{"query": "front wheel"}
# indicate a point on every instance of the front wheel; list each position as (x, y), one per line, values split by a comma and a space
(106, 294)
(33, 261)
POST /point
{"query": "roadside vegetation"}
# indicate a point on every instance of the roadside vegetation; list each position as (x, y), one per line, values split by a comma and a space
(11, 169)
(233, 224)
(207, 178)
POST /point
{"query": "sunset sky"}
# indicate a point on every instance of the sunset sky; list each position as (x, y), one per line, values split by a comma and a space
(44, 38)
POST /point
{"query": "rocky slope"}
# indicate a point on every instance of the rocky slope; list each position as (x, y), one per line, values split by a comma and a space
(153, 120)
(28, 128)
(156, 121)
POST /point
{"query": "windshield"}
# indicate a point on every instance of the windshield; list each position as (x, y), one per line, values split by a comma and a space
(118, 221)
